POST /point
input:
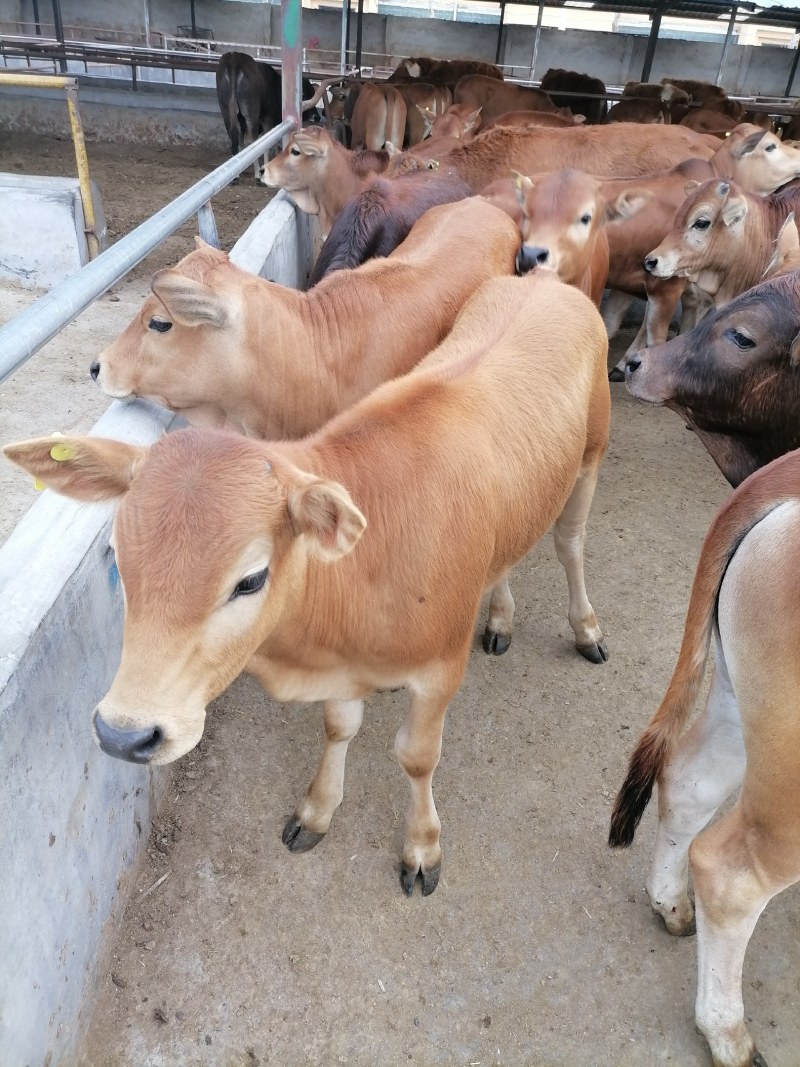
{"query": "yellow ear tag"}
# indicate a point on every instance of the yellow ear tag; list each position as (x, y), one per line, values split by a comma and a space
(38, 485)
(60, 453)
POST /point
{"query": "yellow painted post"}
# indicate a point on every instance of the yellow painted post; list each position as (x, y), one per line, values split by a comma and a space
(70, 85)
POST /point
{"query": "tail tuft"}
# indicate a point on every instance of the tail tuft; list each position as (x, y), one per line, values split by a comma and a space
(634, 796)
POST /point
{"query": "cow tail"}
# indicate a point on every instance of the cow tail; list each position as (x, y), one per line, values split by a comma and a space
(756, 497)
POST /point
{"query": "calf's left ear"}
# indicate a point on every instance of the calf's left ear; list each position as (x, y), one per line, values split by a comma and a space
(325, 513)
(84, 468)
(734, 211)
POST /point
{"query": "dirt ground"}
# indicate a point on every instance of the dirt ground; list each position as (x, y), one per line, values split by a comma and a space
(538, 948)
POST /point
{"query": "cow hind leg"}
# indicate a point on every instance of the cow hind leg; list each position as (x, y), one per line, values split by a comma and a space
(706, 767)
(499, 627)
(569, 533)
(311, 820)
(418, 746)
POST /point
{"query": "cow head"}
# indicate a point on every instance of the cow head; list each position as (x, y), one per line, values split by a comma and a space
(757, 160)
(179, 349)
(302, 167)
(735, 378)
(212, 536)
(708, 235)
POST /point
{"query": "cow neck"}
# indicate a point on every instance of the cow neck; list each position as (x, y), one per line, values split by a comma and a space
(736, 454)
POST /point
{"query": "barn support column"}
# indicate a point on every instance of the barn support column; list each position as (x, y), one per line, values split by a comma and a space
(652, 41)
(726, 45)
(345, 35)
(500, 29)
(193, 19)
(147, 23)
(60, 34)
(793, 71)
(536, 40)
(36, 21)
(359, 32)
(291, 61)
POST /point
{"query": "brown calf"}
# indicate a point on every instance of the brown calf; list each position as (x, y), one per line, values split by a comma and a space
(320, 175)
(422, 101)
(622, 148)
(495, 98)
(707, 120)
(647, 103)
(356, 559)
(746, 594)
(442, 71)
(379, 116)
(459, 121)
(226, 348)
(558, 118)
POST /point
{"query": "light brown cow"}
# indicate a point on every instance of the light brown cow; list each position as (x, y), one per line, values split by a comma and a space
(459, 121)
(226, 348)
(707, 120)
(422, 100)
(495, 98)
(707, 95)
(561, 118)
(647, 103)
(746, 594)
(320, 175)
(379, 116)
(354, 560)
(622, 148)
(723, 238)
(562, 219)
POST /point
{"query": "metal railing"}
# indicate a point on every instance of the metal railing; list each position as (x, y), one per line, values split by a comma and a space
(25, 334)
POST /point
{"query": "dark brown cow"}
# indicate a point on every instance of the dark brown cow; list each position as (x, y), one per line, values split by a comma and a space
(374, 223)
(648, 102)
(558, 81)
(734, 378)
(495, 98)
(442, 71)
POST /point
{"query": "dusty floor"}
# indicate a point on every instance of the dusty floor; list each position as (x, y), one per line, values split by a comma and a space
(538, 948)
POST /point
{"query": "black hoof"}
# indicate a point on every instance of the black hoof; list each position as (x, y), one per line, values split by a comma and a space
(597, 653)
(408, 878)
(495, 644)
(758, 1059)
(616, 375)
(297, 838)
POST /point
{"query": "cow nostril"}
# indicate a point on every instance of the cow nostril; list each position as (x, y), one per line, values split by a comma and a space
(633, 364)
(650, 263)
(94, 370)
(136, 746)
(530, 256)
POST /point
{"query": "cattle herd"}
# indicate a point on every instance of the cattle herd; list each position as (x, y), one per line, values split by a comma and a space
(368, 457)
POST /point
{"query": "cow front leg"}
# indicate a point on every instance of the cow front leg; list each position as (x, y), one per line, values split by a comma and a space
(706, 767)
(614, 310)
(418, 746)
(311, 820)
(617, 373)
(500, 625)
(569, 534)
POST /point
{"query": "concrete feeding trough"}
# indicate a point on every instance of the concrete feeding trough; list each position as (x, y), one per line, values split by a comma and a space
(74, 821)
(42, 229)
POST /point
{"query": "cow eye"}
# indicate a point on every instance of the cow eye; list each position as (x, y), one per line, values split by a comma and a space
(701, 223)
(251, 584)
(770, 147)
(159, 325)
(586, 219)
(742, 340)
(294, 150)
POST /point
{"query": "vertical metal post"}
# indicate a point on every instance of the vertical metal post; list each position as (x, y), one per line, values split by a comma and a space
(82, 161)
(147, 23)
(726, 45)
(536, 40)
(291, 72)
(652, 41)
(793, 71)
(62, 62)
(349, 20)
(359, 31)
(207, 225)
(455, 10)
(343, 46)
(500, 31)
(37, 23)
(193, 19)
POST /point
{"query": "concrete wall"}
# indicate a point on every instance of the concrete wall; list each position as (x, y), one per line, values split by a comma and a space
(74, 822)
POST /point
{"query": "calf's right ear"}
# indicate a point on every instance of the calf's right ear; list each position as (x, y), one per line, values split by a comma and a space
(84, 468)
(189, 302)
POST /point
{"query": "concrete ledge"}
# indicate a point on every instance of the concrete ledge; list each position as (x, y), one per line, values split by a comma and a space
(292, 238)
(75, 822)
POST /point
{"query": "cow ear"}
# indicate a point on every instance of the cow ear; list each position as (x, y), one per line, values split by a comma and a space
(746, 145)
(325, 513)
(472, 120)
(691, 186)
(311, 143)
(189, 302)
(787, 248)
(522, 184)
(627, 204)
(84, 468)
(794, 351)
(734, 210)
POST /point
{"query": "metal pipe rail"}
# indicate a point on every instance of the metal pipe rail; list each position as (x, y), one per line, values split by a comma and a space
(25, 334)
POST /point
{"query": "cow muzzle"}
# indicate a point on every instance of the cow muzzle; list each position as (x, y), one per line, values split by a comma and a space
(135, 746)
(651, 264)
(531, 256)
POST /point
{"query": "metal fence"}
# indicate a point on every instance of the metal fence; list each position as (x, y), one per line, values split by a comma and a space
(25, 334)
